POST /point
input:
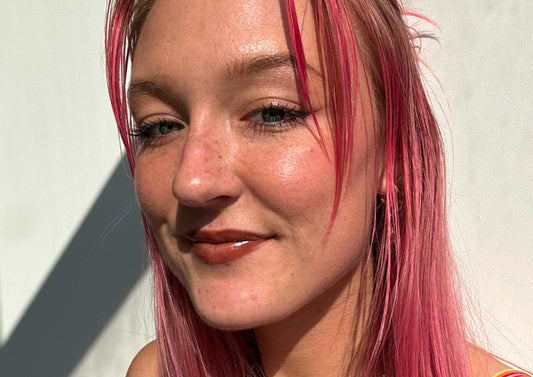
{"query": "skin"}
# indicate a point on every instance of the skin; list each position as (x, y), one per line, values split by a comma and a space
(221, 166)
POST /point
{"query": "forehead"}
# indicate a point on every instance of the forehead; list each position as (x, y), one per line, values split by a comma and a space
(206, 33)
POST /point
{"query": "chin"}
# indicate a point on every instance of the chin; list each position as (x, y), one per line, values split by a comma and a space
(230, 322)
(231, 317)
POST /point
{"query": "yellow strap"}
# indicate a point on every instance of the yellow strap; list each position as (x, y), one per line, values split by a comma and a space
(511, 373)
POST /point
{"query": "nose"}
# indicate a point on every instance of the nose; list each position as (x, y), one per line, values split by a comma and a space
(206, 173)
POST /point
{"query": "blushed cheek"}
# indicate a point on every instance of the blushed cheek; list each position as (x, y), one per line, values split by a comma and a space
(296, 180)
(289, 168)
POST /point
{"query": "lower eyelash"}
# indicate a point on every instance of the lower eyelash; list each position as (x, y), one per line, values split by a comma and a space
(139, 132)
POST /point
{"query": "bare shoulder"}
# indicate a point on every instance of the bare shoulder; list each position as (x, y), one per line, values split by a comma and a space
(145, 362)
(484, 364)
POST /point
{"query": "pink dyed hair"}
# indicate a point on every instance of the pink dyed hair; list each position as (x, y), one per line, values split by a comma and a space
(414, 326)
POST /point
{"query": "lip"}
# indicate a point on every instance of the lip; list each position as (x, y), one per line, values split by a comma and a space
(224, 246)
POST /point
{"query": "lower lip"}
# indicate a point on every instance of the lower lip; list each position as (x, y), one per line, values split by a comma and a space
(224, 253)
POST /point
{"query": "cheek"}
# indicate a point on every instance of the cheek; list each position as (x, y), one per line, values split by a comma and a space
(154, 175)
(295, 180)
(153, 185)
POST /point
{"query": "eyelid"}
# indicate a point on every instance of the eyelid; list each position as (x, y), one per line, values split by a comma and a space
(154, 118)
(271, 101)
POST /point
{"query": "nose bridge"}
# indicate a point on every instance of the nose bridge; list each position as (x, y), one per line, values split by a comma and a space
(204, 147)
(205, 171)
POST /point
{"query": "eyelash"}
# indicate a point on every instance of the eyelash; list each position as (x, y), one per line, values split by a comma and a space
(292, 118)
(146, 132)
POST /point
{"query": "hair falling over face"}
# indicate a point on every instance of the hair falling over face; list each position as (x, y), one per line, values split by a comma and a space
(413, 326)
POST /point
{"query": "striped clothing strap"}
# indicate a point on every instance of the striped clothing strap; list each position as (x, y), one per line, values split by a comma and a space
(511, 373)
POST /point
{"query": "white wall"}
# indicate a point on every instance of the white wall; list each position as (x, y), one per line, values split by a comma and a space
(66, 268)
(58, 152)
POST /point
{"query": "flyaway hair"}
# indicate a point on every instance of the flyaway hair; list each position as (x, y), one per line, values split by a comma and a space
(414, 326)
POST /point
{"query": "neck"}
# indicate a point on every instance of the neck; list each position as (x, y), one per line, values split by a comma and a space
(315, 340)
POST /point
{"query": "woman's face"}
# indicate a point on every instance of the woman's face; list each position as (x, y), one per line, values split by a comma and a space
(229, 171)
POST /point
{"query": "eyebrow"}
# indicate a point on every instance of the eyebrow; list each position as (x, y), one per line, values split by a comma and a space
(145, 87)
(241, 68)
(261, 63)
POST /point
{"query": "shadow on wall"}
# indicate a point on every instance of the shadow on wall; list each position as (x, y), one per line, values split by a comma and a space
(98, 269)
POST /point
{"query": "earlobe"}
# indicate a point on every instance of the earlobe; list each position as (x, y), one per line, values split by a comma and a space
(381, 186)
(381, 179)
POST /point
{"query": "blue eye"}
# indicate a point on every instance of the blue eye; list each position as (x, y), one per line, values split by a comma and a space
(273, 115)
(148, 131)
(276, 117)
(166, 127)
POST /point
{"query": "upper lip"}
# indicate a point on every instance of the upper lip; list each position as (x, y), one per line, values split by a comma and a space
(224, 236)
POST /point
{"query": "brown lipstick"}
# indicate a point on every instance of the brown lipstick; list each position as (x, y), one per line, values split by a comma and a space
(224, 246)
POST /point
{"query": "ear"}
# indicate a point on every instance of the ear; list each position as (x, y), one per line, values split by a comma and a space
(381, 183)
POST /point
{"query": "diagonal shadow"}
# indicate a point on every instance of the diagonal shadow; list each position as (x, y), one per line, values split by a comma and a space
(97, 270)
